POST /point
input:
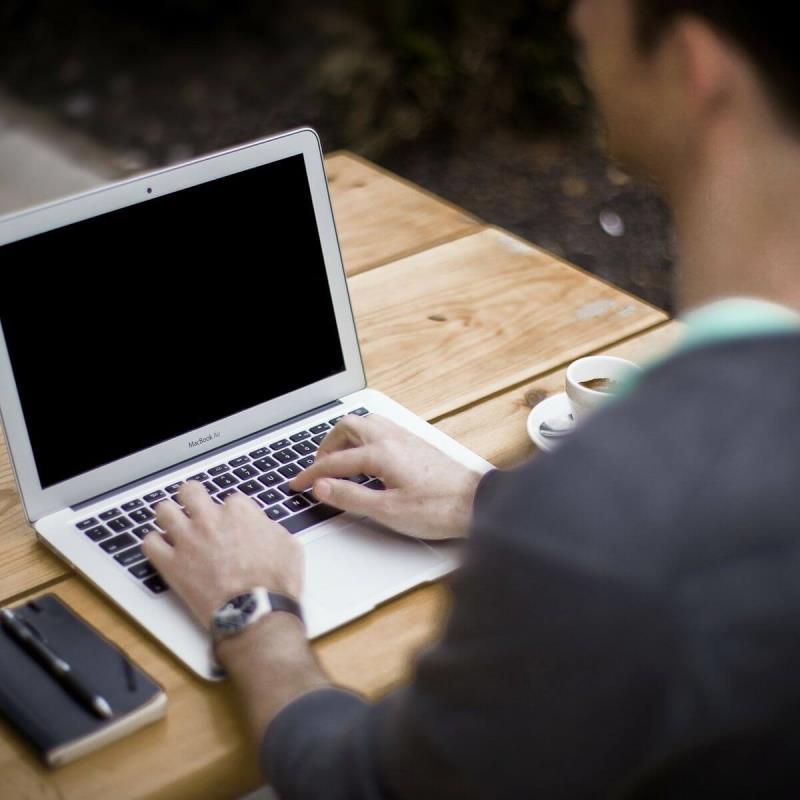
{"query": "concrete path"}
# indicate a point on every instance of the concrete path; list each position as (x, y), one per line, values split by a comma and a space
(41, 162)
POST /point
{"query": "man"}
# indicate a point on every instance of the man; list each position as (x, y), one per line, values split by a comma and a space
(627, 620)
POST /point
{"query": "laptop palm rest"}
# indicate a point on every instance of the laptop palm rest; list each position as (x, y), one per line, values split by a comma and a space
(352, 564)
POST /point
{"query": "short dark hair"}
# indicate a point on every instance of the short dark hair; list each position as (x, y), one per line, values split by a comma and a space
(762, 30)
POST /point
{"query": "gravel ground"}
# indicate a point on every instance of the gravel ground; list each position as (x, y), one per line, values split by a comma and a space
(154, 96)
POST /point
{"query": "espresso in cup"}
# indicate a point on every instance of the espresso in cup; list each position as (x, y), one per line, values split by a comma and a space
(594, 380)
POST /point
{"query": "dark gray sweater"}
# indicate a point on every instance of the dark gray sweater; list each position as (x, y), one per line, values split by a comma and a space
(626, 623)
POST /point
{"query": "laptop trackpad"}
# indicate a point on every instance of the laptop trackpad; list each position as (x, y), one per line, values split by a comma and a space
(351, 565)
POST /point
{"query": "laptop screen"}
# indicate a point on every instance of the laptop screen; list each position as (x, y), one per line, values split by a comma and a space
(131, 328)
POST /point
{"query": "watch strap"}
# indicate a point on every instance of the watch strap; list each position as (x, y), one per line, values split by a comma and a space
(280, 602)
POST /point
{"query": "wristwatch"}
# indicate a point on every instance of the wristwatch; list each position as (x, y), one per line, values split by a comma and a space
(246, 609)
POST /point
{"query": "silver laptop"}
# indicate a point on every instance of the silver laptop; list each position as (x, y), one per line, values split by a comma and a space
(193, 323)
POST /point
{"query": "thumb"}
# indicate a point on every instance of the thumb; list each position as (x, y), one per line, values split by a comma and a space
(350, 496)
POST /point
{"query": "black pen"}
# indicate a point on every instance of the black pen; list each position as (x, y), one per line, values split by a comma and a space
(55, 665)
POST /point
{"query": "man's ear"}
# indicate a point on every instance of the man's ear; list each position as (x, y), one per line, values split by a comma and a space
(705, 66)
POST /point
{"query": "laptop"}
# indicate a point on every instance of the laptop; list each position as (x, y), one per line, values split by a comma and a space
(194, 324)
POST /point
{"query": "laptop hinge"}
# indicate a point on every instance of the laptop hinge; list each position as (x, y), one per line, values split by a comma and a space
(203, 456)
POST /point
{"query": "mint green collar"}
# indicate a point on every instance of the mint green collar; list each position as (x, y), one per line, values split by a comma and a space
(722, 320)
(735, 318)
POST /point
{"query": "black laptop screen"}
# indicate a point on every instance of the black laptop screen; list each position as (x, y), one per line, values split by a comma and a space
(136, 326)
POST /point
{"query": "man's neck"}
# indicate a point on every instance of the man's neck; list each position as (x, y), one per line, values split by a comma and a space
(737, 216)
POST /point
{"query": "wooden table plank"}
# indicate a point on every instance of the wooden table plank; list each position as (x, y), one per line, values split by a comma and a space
(495, 428)
(456, 323)
(207, 747)
(380, 217)
(201, 749)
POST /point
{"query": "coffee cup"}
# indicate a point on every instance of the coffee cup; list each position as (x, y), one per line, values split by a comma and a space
(595, 380)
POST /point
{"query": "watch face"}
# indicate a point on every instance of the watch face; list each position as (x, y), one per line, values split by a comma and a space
(233, 616)
(245, 603)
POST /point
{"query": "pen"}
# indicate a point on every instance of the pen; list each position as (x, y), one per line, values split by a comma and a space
(55, 665)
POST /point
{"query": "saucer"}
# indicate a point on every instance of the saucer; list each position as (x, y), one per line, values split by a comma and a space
(556, 406)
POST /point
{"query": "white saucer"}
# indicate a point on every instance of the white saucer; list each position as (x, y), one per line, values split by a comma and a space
(556, 406)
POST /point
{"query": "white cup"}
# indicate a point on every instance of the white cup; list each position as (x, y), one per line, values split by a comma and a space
(584, 400)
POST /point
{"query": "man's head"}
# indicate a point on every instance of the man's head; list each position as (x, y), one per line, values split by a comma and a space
(668, 73)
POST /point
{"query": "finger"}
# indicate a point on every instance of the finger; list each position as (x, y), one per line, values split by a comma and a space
(351, 496)
(170, 517)
(242, 504)
(197, 501)
(158, 552)
(350, 430)
(340, 464)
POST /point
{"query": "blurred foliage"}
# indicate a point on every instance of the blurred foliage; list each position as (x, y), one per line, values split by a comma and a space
(401, 69)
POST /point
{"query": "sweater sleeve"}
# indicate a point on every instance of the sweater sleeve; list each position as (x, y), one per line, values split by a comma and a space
(549, 677)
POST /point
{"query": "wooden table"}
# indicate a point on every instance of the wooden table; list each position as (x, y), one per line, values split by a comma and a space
(465, 324)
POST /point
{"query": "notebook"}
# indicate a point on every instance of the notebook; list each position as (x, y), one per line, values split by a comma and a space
(58, 726)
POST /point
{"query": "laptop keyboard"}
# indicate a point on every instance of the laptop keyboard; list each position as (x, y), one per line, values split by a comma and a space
(262, 475)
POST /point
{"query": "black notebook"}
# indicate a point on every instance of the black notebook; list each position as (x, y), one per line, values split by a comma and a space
(56, 724)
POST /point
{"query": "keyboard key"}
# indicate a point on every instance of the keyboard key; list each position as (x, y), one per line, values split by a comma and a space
(306, 462)
(87, 523)
(375, 483)
(163, 500)
(143, 530)
(271, 479)
(260, 453)
(250, 487)
(280, 444)
(210, 488)
(118, 543)
(173, 487)
(276, 512)
(270, 497)
(131, 505)
(110, 514)
(311, 516)
(299, 436)
(360, 412)
(157, 495)
(128, 557)
(141, 515)
(335, 419)
(318, 439)
(223, 481)
(360, 478)
(98, 533)
(218, 470)
(245, 472)
(310, 496)
(285, 456)
(296, 503)
(237, 462)
(265, 463)
(201, 476)
(144, 569)
(323, 426)
(120, 524)
(304, 448)
(227, 493)
(284, 487)
(156, 584)
(289, 471)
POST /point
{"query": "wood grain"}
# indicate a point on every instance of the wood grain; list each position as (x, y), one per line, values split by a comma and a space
(495, 428)
(381, 217)
(446, 327)
(201, 749)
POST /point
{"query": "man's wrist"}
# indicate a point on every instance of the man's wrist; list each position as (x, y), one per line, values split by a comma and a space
(271, 664)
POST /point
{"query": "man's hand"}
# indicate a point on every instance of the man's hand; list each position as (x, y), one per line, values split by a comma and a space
(427, 493)
(219, 551)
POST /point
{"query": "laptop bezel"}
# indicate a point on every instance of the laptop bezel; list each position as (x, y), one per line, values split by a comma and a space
(38, 501)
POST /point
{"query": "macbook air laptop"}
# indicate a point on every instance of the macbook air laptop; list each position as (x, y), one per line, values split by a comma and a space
(194, 324)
